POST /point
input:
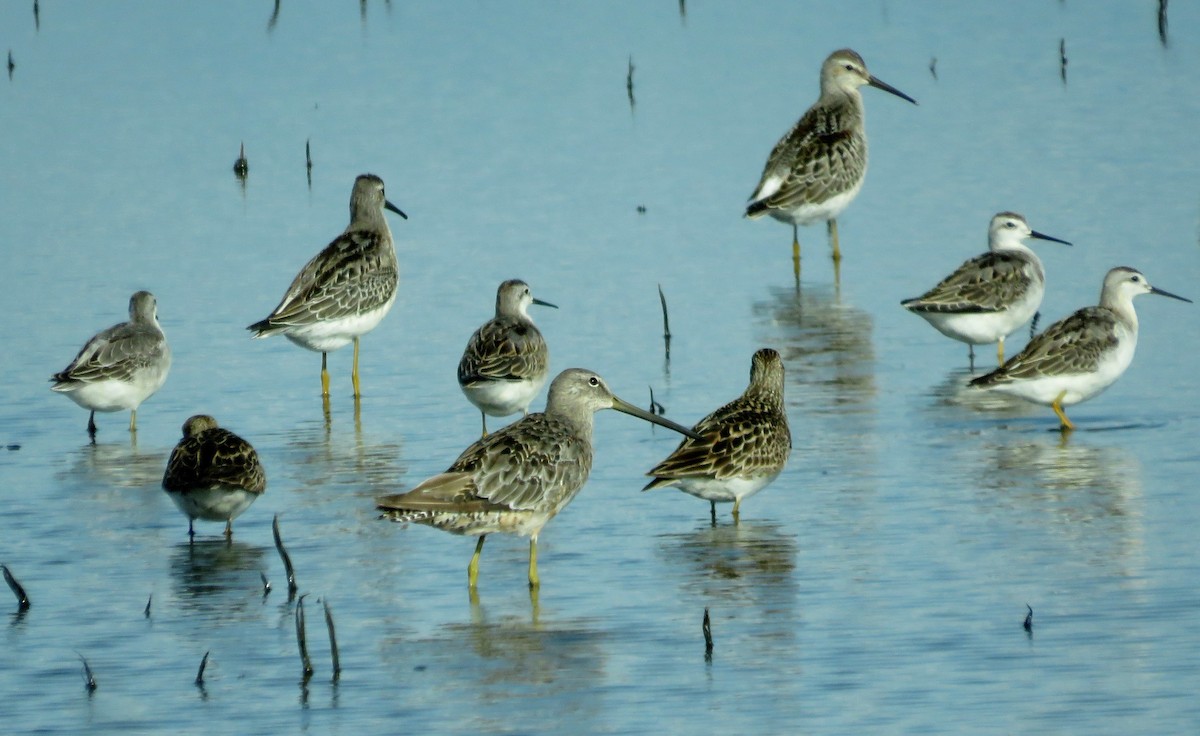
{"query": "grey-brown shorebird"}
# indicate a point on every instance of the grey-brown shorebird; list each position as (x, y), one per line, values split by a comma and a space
(213, 474)
(518, 478)
(120, 367)
(743, 446)
(506, 361)
(346, 290)
(817, 168)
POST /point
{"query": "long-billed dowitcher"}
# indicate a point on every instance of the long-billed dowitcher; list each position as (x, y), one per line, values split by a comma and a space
(120, 367)
(519, 477)
(744, 444)
(1078, 357)
(817, 167)
(991, 295)
(213, 474)
(347, 288)
(506, 361)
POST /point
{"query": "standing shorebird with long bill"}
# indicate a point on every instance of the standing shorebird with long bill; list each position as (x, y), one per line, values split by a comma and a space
(120, 367)
(347, 288)
(817, 168)
(745, 443)
(506, 361)
(1078, 357)
(987, 298)
(519, 477)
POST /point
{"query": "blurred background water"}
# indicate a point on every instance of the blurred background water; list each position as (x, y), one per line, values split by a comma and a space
(878, 585)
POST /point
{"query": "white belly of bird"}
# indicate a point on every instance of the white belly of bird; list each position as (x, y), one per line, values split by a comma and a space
(1078, 386)
(501, 398)
(811, 212)
(332, 334)
(217, 503)
(116, 395)
(727, 490)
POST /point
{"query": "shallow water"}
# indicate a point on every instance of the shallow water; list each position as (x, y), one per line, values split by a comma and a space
(878, 585)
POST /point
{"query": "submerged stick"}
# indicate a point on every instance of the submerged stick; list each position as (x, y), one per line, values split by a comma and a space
(287, 561)
(333, 647)
(629, 83)
(89, 680)
(662, 299)
(1028, 625)
(1062, 59)
(266, 584)
(302, 640)
(241, 167)
(200, 674)
(708, 643)
(655, 407)
(1162, 22)
(146, 612)
(18, 591)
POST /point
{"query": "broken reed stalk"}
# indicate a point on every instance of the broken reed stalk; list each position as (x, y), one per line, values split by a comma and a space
(302, 640)
(200, 674)
(707, 626)
(287, 561)
(18, 591)
(146, 612)
(89, 679)
(333, 647)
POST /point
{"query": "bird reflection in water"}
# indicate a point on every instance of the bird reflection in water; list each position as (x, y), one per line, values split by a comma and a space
(826, 345)
(505, 660)
(1089, 497)
(219, 579)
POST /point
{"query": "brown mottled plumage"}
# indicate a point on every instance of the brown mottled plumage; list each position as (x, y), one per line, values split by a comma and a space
(745, 444)
(347, 288)
(817, 168)
(518, 478)
(506, 360)
(213, 474)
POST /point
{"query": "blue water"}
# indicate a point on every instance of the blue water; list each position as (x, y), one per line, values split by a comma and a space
(878, 586)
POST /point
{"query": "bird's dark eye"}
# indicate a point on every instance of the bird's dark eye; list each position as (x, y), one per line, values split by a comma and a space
(593, 381)
(849, 67)
(1134, 278)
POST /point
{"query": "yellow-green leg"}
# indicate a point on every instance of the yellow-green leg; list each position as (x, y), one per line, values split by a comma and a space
(737, 504)
(324, 374)
(1056, 405)
(533, 576)
(1000, 351)
(796, 253)
(833, 237)
(229, 528)
(354, 370)
(132, 421)
(484, 418)
(473, 567)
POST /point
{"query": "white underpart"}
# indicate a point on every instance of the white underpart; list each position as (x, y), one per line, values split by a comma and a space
(213, 504)
(982, 328)
(810, 212)
(500, 398)
(328, 335)
(1078, 386)
(116, 395)
(724, 491)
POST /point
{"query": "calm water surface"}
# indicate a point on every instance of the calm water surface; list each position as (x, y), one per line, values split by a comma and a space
(878, 586)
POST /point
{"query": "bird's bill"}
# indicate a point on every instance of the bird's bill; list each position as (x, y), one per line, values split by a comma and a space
(1043, 236)
(1160, 292)
(389, 206)
(627, 408)
(880, 84)
(541, 303)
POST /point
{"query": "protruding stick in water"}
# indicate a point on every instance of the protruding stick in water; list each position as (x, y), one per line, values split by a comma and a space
(287, 561)
(18, 591)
